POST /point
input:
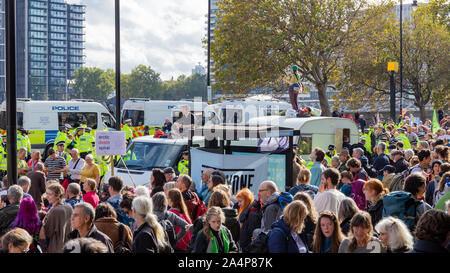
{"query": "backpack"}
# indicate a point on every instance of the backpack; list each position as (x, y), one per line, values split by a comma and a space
(371, 172)
(399, 179)
(122, 247)
(170, 230)
(402, 205)
(284, 199)
(196, 207)
(261, 243)
(357, 194)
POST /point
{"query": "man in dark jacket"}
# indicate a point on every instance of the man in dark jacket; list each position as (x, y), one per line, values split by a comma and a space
(37, 188)
(191, 200)
(381, 160)
(268, 196)
(83, 224)
(250, 220)
(400, 162)
(8, 212)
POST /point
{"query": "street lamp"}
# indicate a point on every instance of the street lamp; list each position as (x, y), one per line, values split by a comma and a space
(117, 20)
(401, 57)
(208, 75)
(392, 68)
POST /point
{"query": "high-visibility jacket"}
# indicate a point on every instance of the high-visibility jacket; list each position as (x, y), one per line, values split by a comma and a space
(102, 162)
(28, 144)
(21, 141)
(128, 131)
(3, 159)
(368, 144)
(310, 165)
(66, 157)
(183, 166)
(60, 136)
(84, 143)
(405, 140)
(328, 158)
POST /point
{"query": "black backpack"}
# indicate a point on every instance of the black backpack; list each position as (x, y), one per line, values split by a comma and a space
(122, 247)
(260, 243)
(170, 230)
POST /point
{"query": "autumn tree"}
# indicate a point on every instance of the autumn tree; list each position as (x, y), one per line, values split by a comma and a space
(364, 79)
(92, 83)
(256, 41)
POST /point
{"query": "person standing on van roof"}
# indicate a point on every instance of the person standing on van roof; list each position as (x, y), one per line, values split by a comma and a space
(294, 87)
(126, 128)
(167, 128)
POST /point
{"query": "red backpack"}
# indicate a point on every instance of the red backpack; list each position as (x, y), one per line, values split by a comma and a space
(196, 207)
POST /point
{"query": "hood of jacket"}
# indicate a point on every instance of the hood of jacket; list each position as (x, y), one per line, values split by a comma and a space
(271, 200)
(230, 212)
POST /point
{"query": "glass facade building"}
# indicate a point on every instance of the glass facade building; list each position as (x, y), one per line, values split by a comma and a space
(50, 47)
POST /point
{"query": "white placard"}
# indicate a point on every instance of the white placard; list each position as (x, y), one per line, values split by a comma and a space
(110, 143)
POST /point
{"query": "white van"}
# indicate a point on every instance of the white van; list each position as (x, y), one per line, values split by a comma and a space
(146, 153)
(314, 132)
(153, 113)
(43, 119)
(242, 111)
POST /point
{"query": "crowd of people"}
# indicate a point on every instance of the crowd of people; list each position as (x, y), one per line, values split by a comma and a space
(390, 196)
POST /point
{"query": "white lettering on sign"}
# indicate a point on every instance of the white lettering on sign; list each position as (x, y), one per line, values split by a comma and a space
(110, 143)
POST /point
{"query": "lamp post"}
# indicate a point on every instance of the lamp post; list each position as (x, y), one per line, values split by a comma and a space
(392, 67)
(208, 75)
(11, 91)
(117, 20)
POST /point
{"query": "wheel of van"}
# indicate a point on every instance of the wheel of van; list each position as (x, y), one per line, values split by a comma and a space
(45, 155)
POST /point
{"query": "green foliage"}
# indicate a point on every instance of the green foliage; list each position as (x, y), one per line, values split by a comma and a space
(364, 79)
(142, 82)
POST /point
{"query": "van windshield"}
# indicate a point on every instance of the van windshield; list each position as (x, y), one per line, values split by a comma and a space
(3, 120)
(136, 116)
(146, 156)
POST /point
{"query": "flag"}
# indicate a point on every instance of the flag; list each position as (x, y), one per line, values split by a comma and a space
(404, 112)
(435, 125)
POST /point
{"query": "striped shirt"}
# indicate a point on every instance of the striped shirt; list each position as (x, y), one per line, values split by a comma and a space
(55, 164)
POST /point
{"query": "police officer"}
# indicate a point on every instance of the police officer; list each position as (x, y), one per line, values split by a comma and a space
(183, 165)
(126, 128)
(60, 151)
(21, 140)
(62, 135)
(84, 142)
(402, 137)
(331, 152)
(3, 157)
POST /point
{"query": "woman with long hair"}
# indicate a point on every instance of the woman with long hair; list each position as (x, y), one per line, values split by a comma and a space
(311, 218)
(361, 239)
(220, 198)
(214, 237)
(157, 181)
(150, 237)
(375, 192)
(328, 235)
(28, 219)
(347, 209)
(177, 206)
(394, 235)
(250, 216)
(286, 235)
(36, 158)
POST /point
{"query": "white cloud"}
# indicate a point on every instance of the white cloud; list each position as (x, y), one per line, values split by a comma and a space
(163, 34)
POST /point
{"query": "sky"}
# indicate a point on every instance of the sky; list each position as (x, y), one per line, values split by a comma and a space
(164, 34)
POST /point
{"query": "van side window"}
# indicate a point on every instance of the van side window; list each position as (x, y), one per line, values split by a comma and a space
(304, 145)
(77, 119)
(108, 120)
(136, 116)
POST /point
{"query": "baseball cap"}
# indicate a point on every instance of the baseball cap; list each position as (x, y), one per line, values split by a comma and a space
(388, 168)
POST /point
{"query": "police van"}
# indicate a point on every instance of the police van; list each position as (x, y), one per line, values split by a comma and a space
(146, 153)
(43, 119)
(242, 111)
(153, 113)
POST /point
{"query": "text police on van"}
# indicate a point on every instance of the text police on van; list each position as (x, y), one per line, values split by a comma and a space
(66, 108)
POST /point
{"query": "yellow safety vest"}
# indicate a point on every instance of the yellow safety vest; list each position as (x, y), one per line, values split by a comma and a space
(60, 136)
(405, 140)
(183, 166)
(21, 142)
(84, 143)
(3, 159)
(128, 131)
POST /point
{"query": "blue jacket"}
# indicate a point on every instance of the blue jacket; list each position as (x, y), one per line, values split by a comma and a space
(381, 161)
(316, 174)
(203, 192)
(310, 189)
(280, 239)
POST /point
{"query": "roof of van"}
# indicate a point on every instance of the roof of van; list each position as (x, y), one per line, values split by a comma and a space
(290, 122)
(171, 141)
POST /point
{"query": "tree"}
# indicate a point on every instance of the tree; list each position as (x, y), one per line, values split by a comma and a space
(93, 83)
(364, 77)
(144, 82)
(256, 41)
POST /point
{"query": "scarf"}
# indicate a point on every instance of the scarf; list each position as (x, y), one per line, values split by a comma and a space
(226, 242)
